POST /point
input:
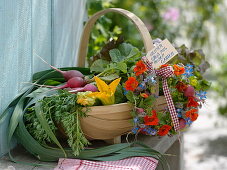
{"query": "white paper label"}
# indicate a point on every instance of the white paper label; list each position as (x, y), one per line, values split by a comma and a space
(161, 54)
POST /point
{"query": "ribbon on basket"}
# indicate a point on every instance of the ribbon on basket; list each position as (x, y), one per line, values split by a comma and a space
(164, 73)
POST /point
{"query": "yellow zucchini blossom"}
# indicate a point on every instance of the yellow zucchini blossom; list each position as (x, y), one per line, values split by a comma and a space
(106, 92)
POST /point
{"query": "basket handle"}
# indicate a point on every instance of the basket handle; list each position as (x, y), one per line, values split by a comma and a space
(147, 40)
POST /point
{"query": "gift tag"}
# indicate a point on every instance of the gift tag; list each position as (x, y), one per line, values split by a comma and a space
(161, 54)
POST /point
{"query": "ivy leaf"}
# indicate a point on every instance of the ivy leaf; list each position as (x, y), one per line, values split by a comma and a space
(99, 65)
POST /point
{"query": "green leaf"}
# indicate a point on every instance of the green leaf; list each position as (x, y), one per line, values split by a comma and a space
(38, 91)
(45, 125)
(149, 101)
(99, 65)
(122, 66)
(52, 82)
(106, 150)
(17, 115)
(110, 77)
(197, 57)
(8, 109)
(126, 52)
(115, 55)
(54, 74)
(130, 97)
(126, 49)
(119, 95)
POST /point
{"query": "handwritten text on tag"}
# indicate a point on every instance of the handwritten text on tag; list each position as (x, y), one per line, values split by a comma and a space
(161, 54)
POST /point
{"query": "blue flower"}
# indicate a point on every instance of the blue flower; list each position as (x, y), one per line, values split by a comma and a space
(189, 66)
(179, 111)
(188, 70)
(179, 115)
(150, 79)
(125, 91)
(201, 94)
(135, 130)
(188, 121)
(142, 85)
(151, 131)
(136, 120)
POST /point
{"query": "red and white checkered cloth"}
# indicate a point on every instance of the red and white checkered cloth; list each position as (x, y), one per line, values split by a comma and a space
(134, 163)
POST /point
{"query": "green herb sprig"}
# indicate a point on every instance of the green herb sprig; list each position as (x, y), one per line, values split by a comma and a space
(60, 110)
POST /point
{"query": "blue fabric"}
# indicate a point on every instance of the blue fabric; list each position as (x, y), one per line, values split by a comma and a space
(29, 28)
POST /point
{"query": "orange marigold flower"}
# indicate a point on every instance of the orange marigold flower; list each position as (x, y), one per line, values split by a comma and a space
(144, 95)
(151, 120)
(178, 70)
(181, 87)
(192, 114)
(131, 84)
(192, 102)
(164, 130)
(140, 68)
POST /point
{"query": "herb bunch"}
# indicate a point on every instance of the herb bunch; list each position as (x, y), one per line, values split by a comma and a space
(60, 110)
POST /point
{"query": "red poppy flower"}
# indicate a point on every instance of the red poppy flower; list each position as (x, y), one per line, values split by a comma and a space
(164, 130)
(151, 120)
(140, 68)
(131, 84)
(192, 114)
(178, 70)
(181, 87)
(192, 102)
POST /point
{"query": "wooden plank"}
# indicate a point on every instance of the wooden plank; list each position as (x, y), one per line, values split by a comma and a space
(164, 144)
(175, 161)
(24, 157)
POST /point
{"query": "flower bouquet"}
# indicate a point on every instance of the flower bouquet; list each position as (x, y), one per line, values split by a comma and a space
(119, 93)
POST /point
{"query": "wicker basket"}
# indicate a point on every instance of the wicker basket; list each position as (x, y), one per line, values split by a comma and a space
(109, 122)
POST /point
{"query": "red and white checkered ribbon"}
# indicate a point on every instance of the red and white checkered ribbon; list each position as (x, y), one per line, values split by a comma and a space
(164, 73)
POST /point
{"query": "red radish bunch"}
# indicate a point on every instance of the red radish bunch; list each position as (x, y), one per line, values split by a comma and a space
(75, 80)
(77, 83)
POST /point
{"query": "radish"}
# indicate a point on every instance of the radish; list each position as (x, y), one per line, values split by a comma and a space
(74, 82)
(90, 87)
(182, 123)
(189, 91)
(66, 74)
(87, 87)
